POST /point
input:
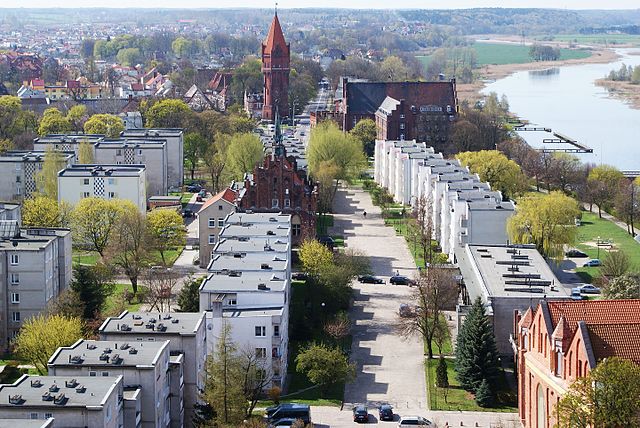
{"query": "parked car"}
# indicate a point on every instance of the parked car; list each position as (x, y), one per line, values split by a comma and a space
(284, 422)
(385, 412)
(187, 213)
(370, 279)
(361, 414)
(592, 263)
(194, 188)
(289, 411)
(410, 421)
(401, 280)
(406, 310)
(575, 253)
(576, 294)
(327, 241)
(589, 289)
(202, 193)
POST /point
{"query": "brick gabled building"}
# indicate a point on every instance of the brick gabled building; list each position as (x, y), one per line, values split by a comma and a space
(560, 341)
(276, 58)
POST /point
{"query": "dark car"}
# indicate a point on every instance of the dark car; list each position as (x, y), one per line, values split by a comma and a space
(327, 241)
(299, 276)
(370, 279)
(194, 188)
(575, 253)
(360, 414)
(401, 280)
(187, 213)
(385, 412)
(289, 411)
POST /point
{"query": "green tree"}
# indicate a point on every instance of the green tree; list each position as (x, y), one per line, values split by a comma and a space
(315, 257)
(182, 47)
(484, 395)
(10, 111)
(625, 286)
(129, 56)
(169, 113)
(324, 366)
(195, 146)
(442, 375)
(603, 183)
(42, 211)
(608, 397)
(243, 153)
(94, 221)
(93, 285)
(54, 122)
(108, 124)
(215, 160)
(365, 132)
(47, 177)
(615, 264)
(85, 152)
(548, 221)
(77, 115)
(492, 166)
(476, 352)
(189, 295)
(41, 335)
(166, 230)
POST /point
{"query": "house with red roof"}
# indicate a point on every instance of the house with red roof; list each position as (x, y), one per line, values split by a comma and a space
(560, 341)
(211, 221)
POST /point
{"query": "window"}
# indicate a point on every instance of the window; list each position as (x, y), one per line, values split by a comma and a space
(261, 352)
(15, 278)
(233, 302)
(276, 330)
(219, 207)
(85, 181)
(212, 222)
(15, 298)
(92, 374)
(119, 152)
(86, 194)
(105, 374)
(402, 116)
(33, 415)
(15, 316)
(18, 179)
(112, 195)
(48, 415)
(295, 229)
(287, 203)
(212, 239)
(274, 203)
(261, 331)
(15, 258)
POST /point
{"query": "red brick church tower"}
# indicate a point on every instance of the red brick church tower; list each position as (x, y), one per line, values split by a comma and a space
(275, 67)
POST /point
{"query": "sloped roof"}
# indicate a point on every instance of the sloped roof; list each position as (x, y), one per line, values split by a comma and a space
(594, 312)
(275, 36)
(615, 340)
(227, 195)
(562, 330)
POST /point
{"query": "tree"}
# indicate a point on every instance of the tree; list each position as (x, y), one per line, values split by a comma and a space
(495, 168)
(365, 132)
(484, 395)
(182, 47)
(129, 56)
(215, 160)
(109, 125)
(195, 146)
(129, 246)
(85, 153)
(324, 366)
(315, 257)
(616, 264)
(339, 327)
(424, 227)
(41, 335)
(67, 304)
(466, 136)
(442, 376)
(608, 397)
(476, 352)
(10, 111)
(435, 292)
(256, 376)
(223, 388)
(47, 177)
(93, 285)
(169, 113)
(604, 181)
(94, 221)
(54, 122)
(243, 153)
(167, 231)
(160, 285)
(627, 204)
(548, 221)
(189, 295)
(42, 211)
(626, 286)
(77, 116)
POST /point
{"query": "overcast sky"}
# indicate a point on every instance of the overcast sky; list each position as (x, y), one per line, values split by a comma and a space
(361, 4)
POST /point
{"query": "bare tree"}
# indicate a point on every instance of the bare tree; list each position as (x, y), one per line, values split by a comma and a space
(257, 375)
(422, 215)
(339, 327)
(161, 284)
(435, 292)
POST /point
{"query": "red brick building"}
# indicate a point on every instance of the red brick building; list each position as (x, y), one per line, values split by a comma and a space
(275, 68)
(278, 186)
(560, 341)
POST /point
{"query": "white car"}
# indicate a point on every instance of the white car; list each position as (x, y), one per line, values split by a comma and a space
(410, 421)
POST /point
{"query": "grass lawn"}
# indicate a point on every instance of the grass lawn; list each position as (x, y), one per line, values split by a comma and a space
(324, 222)
(92, 257)
(111, 304)
(457, 398)
(85, 257)
(338, 241)
(593, 227)
(447, 347)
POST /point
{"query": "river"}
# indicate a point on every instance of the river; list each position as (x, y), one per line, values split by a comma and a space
(566, 100)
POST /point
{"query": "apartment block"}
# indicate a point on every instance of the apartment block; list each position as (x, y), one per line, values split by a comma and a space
(187, 341)
(66, 142)
(143, 365)
(211, 220)
(103, 181)
(64, 401)
(175, 150)
(18, 171)
(35, 266)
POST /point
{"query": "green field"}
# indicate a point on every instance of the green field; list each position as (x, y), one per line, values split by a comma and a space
(599, 39)
(502, 53)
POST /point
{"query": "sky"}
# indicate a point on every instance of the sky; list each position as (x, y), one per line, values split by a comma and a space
(356, 4)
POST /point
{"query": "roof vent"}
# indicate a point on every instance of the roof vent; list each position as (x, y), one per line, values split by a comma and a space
(116, 359)
(76, 359)
(262, 287)
(125, 327)
(107, 350)
(166, 317)
(237, 255)
(16, 399)
(60, 399)
(47, 396)
(81, 389)
(36, 383)
(234, 273)
(91, 346)
(161, 327)
(273, 219)
(104, 357)
(136, 316)
(175, 321)
(270, 232)
(54, 388)
(125, 345)
(71, 383)
(133, 351)
(243, 238)
(265, 266)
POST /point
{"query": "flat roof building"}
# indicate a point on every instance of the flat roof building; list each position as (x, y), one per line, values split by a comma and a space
(18, 171)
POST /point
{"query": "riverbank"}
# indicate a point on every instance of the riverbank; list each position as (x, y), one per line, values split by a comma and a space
(625, 91)
(489, 73)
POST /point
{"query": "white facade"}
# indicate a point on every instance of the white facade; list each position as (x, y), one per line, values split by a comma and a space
(103, 181)
(18, 171)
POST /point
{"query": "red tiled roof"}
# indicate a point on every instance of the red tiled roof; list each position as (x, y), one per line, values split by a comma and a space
(527, 318)
(615, 340)
(562, 330)
(137, 87)
(227, 194)
(594, 312)
(275, 37)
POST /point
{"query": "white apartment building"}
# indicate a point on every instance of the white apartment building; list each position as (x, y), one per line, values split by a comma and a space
(11, 211)
(175, 150)
(66, 142)
(35, 266)
(65, 401)
(142, 364)
(211, 220)
(103, 181)
(186, 333)
(18, 171)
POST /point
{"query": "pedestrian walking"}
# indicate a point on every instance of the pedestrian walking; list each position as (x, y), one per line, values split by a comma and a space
(364, 213)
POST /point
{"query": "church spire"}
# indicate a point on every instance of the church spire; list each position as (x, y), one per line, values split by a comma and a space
(275, 37)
